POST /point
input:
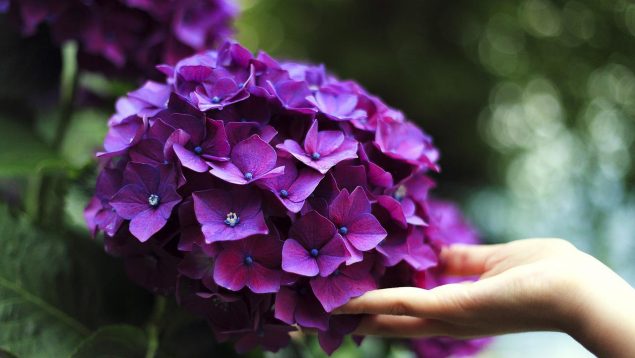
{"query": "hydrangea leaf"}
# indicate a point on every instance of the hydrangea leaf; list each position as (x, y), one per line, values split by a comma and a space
(113, 341)
(54, 290)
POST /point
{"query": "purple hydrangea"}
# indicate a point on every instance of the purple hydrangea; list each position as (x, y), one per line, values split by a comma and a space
(266, 194)
(128, 37)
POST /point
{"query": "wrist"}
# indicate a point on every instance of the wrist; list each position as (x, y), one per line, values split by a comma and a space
(601, 313)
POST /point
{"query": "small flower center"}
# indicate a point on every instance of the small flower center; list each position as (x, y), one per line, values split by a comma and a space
(249, 260)
(343, 230)
(232, 219)
(198, 150)
(284, 193)
(249, 176)
(241, 84)
(314, 252)
(315, 156)
(215, 100)
(400, 193)
(154, 200)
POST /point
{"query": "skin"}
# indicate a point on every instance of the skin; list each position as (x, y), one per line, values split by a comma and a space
(525, 285)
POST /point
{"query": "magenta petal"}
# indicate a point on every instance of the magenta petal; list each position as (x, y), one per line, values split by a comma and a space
(304, 185)
(420, 255)
(146, 224)
(285, 180)
(394, 209)
(354, 255)
(290, 205)
(272, 173)
(253, 155)
(189, 159)
(365, 232)
(311, 139)
(309, 313)
(130, 201)
(262, 279)
(329, 141)
(195, 73)
(359, 201)
(331, 255)
(348, 150)
(285, 305)
(228, 172)
(329, 293)
(312, 230)
(339, 208)
(296, 259)
(230, 271)
(210, 205)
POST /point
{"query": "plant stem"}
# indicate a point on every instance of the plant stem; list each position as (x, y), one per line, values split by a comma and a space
(42, 203)
(68, 89)
(153, 325)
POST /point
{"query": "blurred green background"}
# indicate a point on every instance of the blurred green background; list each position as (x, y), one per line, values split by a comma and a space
(532, 104)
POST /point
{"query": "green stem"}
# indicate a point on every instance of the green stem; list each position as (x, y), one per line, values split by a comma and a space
(41, 200)
(153, 326)
(68, 89)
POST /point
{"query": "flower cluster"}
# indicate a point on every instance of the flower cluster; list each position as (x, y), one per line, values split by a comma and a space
(265, 194)
(127, 37)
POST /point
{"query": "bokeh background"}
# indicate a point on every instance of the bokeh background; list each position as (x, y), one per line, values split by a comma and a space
(532, 104)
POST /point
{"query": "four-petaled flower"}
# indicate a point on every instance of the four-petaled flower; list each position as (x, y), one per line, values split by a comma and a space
(313, 247)
(147, 199)
(294, 186)
(252, 262)
(251, 159)
(351, 214)
(227, 215)
(198, 141)
(321, 150)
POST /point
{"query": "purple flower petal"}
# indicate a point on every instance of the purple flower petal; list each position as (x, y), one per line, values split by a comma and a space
(296, 259)
(365, 232)
(146, 223)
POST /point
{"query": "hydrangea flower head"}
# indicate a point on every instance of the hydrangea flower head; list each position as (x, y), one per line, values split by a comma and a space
(267, 194)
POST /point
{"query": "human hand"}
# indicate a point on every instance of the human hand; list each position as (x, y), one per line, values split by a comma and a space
(525, 285)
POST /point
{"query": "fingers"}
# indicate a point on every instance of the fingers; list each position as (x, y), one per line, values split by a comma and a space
(402, 327)
(467, 260)
(401, 301)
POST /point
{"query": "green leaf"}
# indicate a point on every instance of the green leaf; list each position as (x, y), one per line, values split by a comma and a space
(123, 341)
(55, 289)
(22, 152)
(34, 319)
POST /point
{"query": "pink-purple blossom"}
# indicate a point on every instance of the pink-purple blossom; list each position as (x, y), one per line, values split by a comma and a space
(266, 194)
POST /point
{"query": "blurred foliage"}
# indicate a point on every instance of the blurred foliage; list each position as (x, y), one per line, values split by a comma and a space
(531, 102)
